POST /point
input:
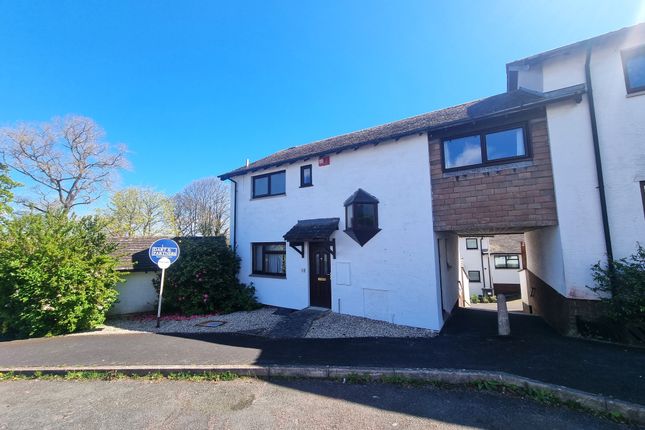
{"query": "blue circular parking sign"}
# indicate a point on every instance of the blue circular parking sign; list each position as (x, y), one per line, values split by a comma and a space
(164, 248)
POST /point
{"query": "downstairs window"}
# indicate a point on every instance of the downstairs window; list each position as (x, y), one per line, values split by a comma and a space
(269, 258)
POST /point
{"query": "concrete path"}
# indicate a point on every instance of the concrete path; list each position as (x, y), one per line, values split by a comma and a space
(297, 324)
(513, 306)
(468, 341)
(279, 404)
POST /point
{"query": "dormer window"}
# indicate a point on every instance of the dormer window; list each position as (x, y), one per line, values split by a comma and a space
(361, 216)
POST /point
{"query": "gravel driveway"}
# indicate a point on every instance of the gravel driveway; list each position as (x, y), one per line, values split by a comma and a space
(259, 322)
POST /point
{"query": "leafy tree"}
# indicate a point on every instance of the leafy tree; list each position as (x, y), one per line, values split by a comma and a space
(202, 208)
(204, 279)
(67, 160)
(138, 211)
(622, 287)
(57, 274)
(6, 195)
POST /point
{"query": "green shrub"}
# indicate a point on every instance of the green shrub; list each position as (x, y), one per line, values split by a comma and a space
(623, 287)
(474, 298)
(57, 275)
(204, 279)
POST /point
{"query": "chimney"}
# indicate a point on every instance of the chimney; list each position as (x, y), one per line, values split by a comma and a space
(247, 162)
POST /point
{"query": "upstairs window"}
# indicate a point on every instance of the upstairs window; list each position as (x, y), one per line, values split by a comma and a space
(634, 69)
(271, 184)
(306, 179)
(471, 243)
(361, 216)
(485, 148)
(507, 261)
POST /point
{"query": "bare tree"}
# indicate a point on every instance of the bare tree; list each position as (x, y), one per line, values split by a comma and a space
(202, 208)
(138, 211)
(67, 160)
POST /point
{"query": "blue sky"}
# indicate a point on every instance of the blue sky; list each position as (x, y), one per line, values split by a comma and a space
(193, 88)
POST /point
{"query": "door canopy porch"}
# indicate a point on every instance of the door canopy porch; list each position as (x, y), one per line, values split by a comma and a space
(312, 230)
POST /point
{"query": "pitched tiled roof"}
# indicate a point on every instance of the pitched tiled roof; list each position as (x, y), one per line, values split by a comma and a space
(490, 107)
(312, 229)
(132, 253)
(505, 244)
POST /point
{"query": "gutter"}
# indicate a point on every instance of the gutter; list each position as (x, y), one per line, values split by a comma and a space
(234, 237)
(596, 148)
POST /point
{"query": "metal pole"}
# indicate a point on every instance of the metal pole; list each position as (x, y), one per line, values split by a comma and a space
(163, 273)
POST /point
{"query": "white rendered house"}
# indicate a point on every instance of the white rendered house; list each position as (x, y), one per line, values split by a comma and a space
(368, 223)
(492, 264)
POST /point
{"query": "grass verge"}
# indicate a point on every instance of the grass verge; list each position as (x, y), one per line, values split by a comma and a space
(114, 375)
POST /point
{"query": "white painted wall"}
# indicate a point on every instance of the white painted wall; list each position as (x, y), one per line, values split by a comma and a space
(578, 240)
(531, 78)
(136, 294)
(621, 130)
(471, 260)
(448, 244)
(504, 276)
(393, 277)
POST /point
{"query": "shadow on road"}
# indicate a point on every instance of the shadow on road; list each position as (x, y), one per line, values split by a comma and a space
(469, 341)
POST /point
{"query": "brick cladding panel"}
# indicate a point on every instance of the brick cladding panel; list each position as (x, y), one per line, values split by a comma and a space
(500, 198)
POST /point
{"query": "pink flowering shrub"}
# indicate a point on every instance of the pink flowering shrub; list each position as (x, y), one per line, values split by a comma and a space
(204, 279)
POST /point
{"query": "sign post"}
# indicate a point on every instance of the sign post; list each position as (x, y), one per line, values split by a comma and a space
(163, 253)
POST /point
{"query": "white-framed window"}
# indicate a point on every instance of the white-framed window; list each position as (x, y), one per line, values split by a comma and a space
(507, 261)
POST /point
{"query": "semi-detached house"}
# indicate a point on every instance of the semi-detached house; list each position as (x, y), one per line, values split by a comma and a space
(367, 223)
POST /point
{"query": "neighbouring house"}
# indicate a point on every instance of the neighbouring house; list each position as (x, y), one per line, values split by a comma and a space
(492, 264)
(368, 223)
(136, 292)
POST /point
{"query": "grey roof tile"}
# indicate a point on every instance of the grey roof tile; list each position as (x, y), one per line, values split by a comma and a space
(312, 229)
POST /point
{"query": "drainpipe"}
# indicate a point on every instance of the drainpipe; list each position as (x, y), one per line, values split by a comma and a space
(596, 148)
(234, 238)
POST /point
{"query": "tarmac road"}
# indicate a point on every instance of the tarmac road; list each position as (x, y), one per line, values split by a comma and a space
(258, 404)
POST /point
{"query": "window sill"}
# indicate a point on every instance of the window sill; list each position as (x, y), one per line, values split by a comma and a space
(306, 186)
(636, 93)
(260, 275)
(489, 168)
(269, 196)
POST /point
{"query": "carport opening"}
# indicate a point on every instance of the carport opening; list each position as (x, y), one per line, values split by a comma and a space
(476, 267)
